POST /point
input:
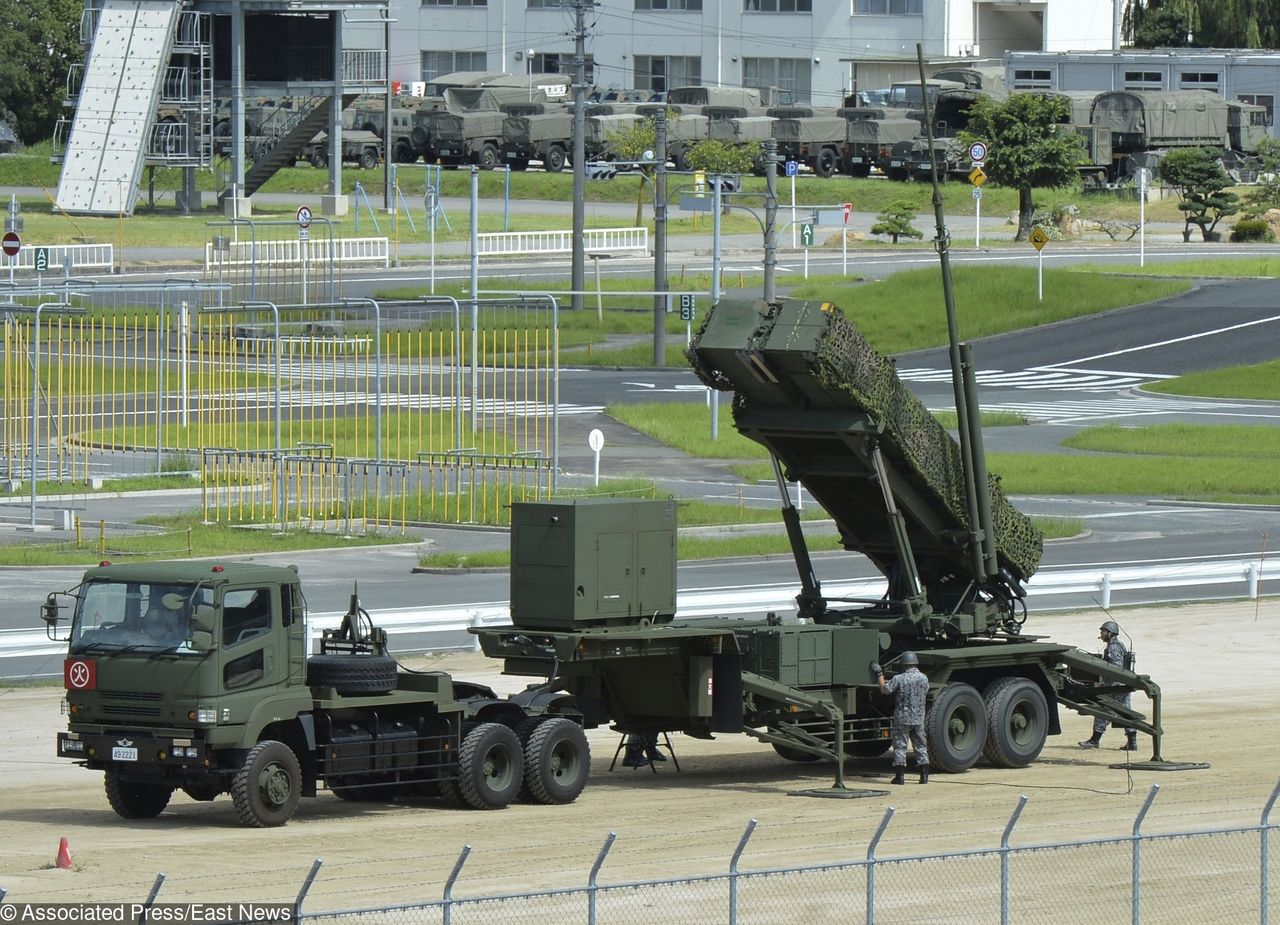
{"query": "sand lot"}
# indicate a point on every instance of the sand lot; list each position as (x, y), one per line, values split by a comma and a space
(1215, 663)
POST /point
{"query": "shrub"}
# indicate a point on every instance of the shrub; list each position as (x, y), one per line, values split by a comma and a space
(1252, 230)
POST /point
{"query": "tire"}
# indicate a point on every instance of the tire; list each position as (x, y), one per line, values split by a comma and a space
(267, 786)
(490, 767)
(518, 163)
(353, 674)
(956, 724)
(368, 158)
(403, 152)
(556, 160)
(450, 795)
(1017, 722)
(898, 174)
(860, 170)
(133, 800)
(873, 749)
(319, 159)
(793, 754)
(488, 158)
(826, 163)
(557, 760)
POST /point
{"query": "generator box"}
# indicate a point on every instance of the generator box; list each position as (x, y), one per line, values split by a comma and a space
(592, 562)
(809, 655)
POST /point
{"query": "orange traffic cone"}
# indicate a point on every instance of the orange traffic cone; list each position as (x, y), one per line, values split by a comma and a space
(63, 861)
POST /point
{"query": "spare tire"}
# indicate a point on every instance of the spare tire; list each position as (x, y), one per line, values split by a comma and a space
(353, 674)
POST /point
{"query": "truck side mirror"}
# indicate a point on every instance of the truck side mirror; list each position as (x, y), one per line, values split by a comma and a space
(204, 619)
(50, 613)
(201, 641)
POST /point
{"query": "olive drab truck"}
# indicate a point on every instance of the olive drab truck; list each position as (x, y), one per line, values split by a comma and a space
(197, 677)
(593, 590)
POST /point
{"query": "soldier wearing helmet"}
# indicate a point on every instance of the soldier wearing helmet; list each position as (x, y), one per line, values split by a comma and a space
(1116, 654)
(909, 688)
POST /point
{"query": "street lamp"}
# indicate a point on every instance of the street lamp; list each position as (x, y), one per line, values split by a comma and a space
(528, 61)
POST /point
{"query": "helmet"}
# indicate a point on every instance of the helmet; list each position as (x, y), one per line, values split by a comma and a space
(1110, 627)
(908, 659)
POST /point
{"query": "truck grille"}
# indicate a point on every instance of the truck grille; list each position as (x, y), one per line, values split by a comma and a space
(131, 703)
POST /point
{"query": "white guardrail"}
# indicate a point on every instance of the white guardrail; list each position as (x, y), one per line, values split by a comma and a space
(714, 602)
(290, 252)
(83, 257)
(535, 243)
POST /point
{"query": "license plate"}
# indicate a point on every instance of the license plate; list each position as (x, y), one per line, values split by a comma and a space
(124, 754)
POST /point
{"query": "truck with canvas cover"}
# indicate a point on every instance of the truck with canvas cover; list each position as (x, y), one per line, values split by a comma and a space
(953, 550)
(811, 136)
(468, 130)
(870, 142)
(197, 677)
(686, 126)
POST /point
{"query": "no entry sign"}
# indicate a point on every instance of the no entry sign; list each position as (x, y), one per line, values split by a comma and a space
(12, 244)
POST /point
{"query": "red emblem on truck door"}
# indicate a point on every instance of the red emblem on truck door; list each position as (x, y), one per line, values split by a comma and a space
(80, 674)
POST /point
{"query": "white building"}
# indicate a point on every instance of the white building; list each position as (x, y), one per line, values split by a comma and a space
(818, 50)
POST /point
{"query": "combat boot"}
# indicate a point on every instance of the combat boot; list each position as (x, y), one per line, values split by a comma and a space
(654, 755)
(1092, 742)
(924, 774)
(1130, 741)
(899, 774)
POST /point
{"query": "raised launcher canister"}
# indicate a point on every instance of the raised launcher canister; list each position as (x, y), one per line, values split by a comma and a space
(592, 562)
(817, 395)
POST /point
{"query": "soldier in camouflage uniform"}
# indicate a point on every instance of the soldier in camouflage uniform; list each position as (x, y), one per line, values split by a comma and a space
(909, 688)
(1115, 654)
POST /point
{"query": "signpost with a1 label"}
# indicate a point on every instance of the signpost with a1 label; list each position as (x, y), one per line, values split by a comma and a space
(806, 241)
(304, 233)
(1039, 238)
(977, 176)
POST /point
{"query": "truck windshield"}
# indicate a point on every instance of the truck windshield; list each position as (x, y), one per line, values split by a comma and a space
(114, 615)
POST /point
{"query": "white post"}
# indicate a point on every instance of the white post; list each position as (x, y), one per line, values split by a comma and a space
(184, 335)
(1142, 218)
(977, 216)
(793, 211)
(844, 248)
(806, 263)
(1040, 275)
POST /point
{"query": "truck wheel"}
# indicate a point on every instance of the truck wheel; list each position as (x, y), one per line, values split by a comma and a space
(793, 754)
(267, 786)
(518, 163)
(490, 767)
(403, 152)
(860, 170)
(319, 159)
(132, 800)
(556, 761)
(1017, 722)
(556, 159)
(368, 158)
(826, 163)
(353, 674)
(956, 724)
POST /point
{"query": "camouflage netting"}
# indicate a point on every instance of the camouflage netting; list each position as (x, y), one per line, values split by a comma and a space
(846, 361)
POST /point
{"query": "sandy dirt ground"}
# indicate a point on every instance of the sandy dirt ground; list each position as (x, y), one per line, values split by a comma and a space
(1215, 663)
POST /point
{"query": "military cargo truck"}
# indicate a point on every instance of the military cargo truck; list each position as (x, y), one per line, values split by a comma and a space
(196, 677)
(540, 132)
(358, 147)
(593, 601)
(813, 137)
(869, 141)
(468, 130)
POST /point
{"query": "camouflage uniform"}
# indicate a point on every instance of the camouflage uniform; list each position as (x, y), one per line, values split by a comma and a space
(1115, 654)
(909, 690)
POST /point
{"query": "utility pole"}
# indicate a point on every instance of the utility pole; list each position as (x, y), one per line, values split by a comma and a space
(578, 271)
(660, 237)
(770, 217)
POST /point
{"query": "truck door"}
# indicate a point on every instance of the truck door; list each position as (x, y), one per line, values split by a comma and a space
(251, 639)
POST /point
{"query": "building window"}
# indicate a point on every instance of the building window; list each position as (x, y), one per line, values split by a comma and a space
(777, 6)
(436, 63)
(658, 75)
(455, 2)
(888, 7)
(1143, 80)
(544, 4)
(1266, 100)
(1030, 79)
(1198, 80)
(792, 76)
(677, 5)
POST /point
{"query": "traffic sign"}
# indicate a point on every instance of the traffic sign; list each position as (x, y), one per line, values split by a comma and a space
(595, 440)
(978, 151)
(793, 168)
(42, 260)
(304, 216)
(977, 194)
(806, 234)
(12, 244)
(1144, 177)
(1039, 238)
(977, 177)
(846, 207)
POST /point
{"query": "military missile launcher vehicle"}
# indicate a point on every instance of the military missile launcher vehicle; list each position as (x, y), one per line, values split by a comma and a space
(197, 677)
(593, 596)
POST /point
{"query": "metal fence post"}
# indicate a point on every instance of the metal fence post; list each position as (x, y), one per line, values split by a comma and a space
(733, 871)
(305, 888)
(592, 887)
(871, 865)
(1004, 859)
(1137, 853)
(1264, 853)
(151, 898)
(448, 886)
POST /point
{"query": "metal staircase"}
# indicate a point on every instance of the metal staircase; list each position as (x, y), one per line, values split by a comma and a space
(117, 101)
(283, 136)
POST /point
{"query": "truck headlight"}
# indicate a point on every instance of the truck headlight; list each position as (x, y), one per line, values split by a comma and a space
(205, 715)
(72, 745)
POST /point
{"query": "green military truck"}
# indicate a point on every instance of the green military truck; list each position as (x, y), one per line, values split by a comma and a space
(197, 677)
